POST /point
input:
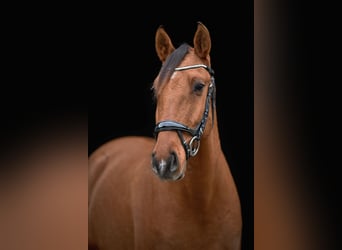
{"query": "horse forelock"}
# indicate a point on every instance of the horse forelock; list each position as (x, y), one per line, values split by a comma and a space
(172, 62)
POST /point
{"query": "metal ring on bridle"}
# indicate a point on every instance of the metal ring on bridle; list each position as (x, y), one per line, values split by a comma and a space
(193, 148)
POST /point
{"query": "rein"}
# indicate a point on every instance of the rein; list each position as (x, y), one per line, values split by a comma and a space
(191, 148)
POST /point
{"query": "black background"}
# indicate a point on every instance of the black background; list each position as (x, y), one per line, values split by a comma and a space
(120, 100)
(62, 63)
(62, 60)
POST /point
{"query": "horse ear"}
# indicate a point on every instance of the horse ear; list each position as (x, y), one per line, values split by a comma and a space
(164, 46)
(202, 41)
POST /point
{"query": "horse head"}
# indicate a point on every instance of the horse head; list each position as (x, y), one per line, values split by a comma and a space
(184, 90)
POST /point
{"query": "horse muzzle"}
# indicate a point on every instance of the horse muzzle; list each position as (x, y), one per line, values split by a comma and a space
(167, 169)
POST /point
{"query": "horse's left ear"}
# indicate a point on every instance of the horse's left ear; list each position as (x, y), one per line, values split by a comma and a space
(202, 42)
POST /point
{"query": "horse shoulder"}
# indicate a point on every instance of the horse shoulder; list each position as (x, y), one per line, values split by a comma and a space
(118, 157)
(112, 169)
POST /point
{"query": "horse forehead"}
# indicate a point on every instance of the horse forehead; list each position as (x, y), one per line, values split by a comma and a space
(190, 58)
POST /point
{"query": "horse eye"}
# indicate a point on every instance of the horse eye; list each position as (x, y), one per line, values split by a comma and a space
(198, 87)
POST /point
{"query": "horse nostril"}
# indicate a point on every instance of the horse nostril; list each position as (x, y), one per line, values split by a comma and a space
(173, 160)
(155, 163)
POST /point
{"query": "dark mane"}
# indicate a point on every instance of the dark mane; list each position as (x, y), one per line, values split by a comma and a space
(172, 62)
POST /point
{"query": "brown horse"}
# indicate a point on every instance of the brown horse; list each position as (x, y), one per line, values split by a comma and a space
(175, 191)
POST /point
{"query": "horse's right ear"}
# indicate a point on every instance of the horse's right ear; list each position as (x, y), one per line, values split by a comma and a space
(164, 46)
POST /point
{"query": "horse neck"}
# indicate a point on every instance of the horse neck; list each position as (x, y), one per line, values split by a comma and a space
(208, 169)
(210, 150)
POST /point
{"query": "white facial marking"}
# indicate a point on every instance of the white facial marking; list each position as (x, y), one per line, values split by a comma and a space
(174, 74)
(162, 165)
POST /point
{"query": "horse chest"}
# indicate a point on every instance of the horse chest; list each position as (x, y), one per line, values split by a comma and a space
(181, 234)
(184, 234)
(166, 226)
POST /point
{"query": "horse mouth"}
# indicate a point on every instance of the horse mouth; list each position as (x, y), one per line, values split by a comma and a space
(170, 175)
(181, 176)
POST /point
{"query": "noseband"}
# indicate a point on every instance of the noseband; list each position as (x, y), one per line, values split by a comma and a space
(192, 147)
